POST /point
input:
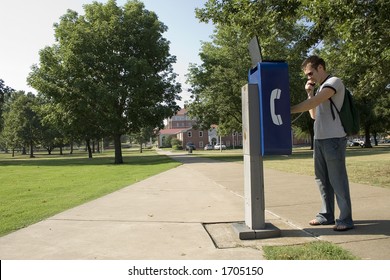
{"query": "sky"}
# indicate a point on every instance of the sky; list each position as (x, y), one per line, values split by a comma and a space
(26, 26)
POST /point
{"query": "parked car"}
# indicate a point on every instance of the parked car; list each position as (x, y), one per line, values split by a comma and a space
(208, 147)
(189, 146)
(355, 142)
(219, 146)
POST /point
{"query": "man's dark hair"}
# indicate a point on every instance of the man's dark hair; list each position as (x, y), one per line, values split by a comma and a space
(315, 61)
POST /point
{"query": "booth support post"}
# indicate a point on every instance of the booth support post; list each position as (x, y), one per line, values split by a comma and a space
(255, 226)
(253, 160)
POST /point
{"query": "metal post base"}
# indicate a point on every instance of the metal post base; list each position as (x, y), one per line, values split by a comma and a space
(245, 233)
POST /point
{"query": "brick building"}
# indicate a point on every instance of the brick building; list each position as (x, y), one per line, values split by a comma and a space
(180, 126)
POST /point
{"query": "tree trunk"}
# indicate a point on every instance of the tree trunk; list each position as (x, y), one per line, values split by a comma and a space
(118, 149)
(31, 149)
(140, 147)
(375, 139)
(367, 142)
(89, 148)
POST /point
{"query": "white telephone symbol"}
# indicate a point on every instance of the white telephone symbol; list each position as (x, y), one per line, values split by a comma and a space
(276, 119)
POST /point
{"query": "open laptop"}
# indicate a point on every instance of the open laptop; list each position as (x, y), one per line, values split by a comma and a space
(255, 52)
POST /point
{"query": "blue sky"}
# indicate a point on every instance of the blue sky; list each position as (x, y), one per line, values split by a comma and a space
(26, 26)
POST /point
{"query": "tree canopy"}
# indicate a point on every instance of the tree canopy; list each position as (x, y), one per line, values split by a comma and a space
(352, 36)
(5, 93)
(110, 71)
(22, 124)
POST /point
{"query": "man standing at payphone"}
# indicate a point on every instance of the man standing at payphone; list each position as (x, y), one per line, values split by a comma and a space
(329, 143)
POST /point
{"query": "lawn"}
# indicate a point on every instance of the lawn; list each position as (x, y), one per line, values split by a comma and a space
(365, 166)
(318, 250)
(34, 189)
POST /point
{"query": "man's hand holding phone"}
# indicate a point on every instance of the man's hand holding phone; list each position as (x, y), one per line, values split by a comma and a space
(309, 87)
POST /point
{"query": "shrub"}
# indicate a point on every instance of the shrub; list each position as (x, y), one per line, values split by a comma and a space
(176, 144)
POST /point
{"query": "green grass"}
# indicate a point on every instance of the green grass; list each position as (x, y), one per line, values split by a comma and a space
(318, 250)
(365, 166)
(34, 189)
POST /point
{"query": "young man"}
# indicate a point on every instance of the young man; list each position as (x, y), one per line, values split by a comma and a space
(329, 143)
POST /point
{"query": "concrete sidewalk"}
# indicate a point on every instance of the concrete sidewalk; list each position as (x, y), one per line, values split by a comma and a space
(187, 213)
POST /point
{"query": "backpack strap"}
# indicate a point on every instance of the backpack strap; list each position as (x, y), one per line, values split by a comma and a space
(331, 101)
(331, 108)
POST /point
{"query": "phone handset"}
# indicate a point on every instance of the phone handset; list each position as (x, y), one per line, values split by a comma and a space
(276, 119)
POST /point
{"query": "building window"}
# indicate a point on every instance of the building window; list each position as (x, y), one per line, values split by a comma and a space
(200, 144)
(189, 134)
(200, 133)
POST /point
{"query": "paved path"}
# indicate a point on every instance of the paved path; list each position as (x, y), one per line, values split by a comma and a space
(187, 213)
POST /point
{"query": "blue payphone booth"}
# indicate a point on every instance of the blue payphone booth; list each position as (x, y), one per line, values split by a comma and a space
(266, 125)
(274, 98)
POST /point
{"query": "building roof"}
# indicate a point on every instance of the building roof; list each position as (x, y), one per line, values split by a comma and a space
(172, 131)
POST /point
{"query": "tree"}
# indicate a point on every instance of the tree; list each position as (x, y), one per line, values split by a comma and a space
(217, 83)
(352, 36)
(110, 70)
(355, 42)
(22, 125)
(5, 93)
(143, 136)
(54, 130)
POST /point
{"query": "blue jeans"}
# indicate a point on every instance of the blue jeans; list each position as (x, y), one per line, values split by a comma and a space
(332, 180)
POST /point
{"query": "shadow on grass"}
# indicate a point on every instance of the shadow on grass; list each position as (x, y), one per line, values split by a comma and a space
(81, 159)
(303, 154)
(351, 152)
(148, 157)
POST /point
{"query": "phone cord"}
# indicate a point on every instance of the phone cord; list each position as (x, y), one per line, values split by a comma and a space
(297, 117)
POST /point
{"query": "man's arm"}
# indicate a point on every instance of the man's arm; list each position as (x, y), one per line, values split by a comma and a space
(313, 101)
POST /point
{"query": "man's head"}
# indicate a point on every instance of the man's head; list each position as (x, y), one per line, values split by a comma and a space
(314, 61)
(314, 68)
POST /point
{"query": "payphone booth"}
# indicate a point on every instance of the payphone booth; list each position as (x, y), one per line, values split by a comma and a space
(274, 105)
(266, 124)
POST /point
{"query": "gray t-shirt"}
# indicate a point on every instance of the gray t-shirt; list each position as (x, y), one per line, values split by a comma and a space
(324, 125)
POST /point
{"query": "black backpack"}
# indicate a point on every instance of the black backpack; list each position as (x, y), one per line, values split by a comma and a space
(348, 114)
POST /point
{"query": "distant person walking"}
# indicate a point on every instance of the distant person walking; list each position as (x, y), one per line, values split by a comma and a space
(329, 143)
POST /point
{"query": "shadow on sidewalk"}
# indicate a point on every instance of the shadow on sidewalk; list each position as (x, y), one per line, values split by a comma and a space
(362, 227)
(188, 159)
